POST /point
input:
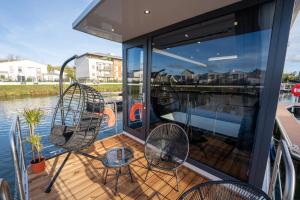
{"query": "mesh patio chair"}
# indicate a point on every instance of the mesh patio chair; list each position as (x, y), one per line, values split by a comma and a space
(226, 190)
(166, 148)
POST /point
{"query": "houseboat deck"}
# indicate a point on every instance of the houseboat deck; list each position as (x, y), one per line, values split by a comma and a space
(82, 177)
(289, 123)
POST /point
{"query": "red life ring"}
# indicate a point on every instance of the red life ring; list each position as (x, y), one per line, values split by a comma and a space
(111, 116)
(133, 109)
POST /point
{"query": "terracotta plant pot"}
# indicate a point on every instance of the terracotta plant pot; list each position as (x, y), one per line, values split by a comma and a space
(38, 167)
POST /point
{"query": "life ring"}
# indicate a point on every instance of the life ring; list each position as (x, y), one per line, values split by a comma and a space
(133, 109)
(111, 116)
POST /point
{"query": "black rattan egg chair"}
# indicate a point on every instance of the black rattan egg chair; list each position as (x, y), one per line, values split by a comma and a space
(76, 120)
(167, 148)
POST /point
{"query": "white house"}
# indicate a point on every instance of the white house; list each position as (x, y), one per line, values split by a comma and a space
(22, 70)
(53, 76)
(99, 67)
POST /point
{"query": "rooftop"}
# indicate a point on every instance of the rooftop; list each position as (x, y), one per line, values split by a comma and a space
(102, 55)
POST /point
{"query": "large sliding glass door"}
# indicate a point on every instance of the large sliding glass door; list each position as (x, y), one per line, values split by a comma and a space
(134, 88)
(209, 78)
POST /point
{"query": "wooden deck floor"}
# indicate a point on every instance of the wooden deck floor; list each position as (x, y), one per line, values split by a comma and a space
(82, 178)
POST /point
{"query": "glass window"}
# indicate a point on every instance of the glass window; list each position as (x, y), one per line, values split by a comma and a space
(209, 78)
(135, 63)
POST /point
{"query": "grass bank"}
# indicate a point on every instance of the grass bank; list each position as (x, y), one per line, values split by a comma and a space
(47, 90)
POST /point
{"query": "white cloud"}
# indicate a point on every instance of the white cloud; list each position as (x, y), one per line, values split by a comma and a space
(294, 58)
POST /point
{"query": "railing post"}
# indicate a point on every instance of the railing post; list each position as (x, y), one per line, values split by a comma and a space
(14, 151)
(4, 190)
(289, 187)
(275, 170)
(20, 141)
(290, 177)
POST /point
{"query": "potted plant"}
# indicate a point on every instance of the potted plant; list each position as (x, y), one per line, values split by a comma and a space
(33, 118)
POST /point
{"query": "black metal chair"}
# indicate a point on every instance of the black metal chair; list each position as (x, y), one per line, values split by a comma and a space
(167, 148)
(76, 120)
(225, 190)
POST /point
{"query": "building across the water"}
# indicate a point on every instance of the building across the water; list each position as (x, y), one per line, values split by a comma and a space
(99, 67)
(22, 70)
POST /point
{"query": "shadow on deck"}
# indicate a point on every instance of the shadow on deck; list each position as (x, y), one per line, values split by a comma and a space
(82, 178)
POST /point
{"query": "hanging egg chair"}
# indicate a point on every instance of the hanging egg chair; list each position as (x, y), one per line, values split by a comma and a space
(76, 119)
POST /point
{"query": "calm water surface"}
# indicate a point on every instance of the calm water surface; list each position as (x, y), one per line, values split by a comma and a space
(11, 108)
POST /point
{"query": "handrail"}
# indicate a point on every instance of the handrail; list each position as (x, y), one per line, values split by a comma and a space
(287, 139)
(289, 188)
(16, 144)
(4, 190)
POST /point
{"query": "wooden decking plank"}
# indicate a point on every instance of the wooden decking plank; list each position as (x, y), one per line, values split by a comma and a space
(184, 183)
(88, 183)
(86, 180)
(154, 188)
(124, 185)
(109, 187)
(74, 161)
(82, 177)
(172, 183)
(156, 179)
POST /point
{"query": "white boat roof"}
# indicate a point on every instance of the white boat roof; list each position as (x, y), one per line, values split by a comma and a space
(122, 20)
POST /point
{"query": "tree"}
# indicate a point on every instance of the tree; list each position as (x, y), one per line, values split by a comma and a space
(289, 77)
(285, 78)
(70, 73)
(50, 68)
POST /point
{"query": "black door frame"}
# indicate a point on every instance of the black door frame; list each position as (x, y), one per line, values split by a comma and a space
(126, 46)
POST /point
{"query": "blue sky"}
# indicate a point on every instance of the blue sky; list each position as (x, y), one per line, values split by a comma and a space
(41, 30)
(292, 62)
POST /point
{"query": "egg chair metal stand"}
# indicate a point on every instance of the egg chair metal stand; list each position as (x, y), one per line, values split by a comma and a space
(76, 120)
(166, 148)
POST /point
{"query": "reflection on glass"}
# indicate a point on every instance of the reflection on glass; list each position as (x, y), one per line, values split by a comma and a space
(211, 82)
(134, 86)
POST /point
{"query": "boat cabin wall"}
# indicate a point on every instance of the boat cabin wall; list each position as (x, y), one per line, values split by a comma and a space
(218, 76)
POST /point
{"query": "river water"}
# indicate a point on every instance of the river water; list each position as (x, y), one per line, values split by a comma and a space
(10, 108)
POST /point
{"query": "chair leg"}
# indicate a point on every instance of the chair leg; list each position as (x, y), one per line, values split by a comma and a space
(176, 175)
(129, 170)
(105, 175)
(118, 173)
(148, 169)
(48, 189)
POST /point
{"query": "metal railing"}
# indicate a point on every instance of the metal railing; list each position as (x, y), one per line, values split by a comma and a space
(4, 190)
(18, 154)
(290, 178)
(287, 139)
(17, 149)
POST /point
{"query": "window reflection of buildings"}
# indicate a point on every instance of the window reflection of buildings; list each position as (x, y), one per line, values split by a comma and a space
(135, 76)
(188, 77)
